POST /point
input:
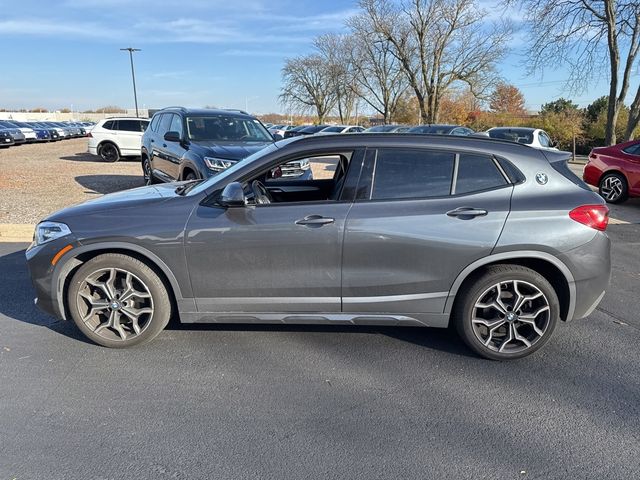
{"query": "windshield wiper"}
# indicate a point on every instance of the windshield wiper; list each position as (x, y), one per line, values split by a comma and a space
(185, 187)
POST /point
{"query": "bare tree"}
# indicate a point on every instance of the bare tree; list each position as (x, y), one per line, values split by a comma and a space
(377, 72)
(308, 85)
(589, 36)
(335, 49)
(439, 43)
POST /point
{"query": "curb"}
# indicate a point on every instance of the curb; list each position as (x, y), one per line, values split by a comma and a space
(16, 233)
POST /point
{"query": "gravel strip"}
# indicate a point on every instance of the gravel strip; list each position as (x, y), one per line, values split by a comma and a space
(38, 179)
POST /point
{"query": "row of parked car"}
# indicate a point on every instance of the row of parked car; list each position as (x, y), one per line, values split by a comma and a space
(533, 137)
(14, 132)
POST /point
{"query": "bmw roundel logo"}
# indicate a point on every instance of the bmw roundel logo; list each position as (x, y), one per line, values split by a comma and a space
(542, 178)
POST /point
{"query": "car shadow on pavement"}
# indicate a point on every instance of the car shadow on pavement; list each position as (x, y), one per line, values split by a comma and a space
(87, 157)
(109, 183)
(17, 294)
(441, 339)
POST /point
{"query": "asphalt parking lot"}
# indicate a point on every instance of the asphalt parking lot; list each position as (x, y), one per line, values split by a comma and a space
(280, 402)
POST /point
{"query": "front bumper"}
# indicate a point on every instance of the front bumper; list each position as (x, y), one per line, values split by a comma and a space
(48, 279)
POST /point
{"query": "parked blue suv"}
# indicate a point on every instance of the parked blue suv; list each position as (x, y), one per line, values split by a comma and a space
(192, 144)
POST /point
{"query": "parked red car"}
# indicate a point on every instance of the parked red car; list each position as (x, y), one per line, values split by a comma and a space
(615, 171)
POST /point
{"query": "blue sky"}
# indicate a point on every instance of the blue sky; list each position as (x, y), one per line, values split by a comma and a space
(226, 53)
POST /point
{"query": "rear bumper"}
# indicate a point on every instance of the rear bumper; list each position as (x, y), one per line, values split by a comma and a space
(592, 174)
(590, 265)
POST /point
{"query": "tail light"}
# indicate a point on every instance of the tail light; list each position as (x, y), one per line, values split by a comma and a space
(594, 216)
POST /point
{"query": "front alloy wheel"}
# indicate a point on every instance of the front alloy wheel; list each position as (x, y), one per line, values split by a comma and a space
(508, 313)
(118, 301)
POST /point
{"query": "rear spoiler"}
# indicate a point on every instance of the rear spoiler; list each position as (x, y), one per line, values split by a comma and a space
(559, 162)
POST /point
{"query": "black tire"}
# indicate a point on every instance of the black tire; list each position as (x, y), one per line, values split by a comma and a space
(190, 176)
(475, 293)
(614, 188)
(147, 172)
(109, 152)
(158, 302)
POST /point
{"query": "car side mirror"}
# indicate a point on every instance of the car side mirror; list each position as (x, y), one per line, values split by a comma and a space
(232, 196)
(172, 137)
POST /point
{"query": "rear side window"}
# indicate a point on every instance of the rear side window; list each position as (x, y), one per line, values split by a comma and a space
(154, 123)
(129, 125)
(403, 173)
(165, 123)
(632, 149)
(110, 125)
(176, 124)
(476, 173)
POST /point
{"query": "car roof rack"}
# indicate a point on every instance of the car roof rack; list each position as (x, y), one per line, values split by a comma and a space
(182, 109)
(235, 110)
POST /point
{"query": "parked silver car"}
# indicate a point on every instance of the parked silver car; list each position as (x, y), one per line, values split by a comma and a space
(498, 239)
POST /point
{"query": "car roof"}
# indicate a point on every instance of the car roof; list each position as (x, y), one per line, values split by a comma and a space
(122, 118)
(203, 112)
(526, 129)
(380, 140)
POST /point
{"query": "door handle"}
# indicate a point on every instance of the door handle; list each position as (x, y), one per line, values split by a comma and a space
(164, 145)
(467, 212)
(315, 221)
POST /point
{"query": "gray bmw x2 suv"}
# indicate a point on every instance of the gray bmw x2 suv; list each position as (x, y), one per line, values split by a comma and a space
(498, 239)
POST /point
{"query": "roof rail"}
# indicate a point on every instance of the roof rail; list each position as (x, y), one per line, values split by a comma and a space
(182, 109)
(235, 110)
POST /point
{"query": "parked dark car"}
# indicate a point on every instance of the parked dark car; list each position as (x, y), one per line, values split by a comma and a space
(311, 130)
(190, 144)
(294, 132)
(388, 129)
(450, 232)
(442, 130)
(615, 171)
(6, 140)
(16, 134)
(53, 132)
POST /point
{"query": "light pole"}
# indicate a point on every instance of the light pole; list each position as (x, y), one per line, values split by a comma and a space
(133, 74)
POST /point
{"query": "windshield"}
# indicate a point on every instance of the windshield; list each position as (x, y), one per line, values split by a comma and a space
(333, 129)
(226, 128)
(202, 186)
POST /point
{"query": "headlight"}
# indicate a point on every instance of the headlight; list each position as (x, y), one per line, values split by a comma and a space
(47, 231)
(218, 164)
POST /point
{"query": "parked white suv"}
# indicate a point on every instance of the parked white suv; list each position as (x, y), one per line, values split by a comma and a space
(114, 138)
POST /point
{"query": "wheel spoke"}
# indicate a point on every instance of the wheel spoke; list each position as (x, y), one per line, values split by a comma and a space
(100, 285)
(110, 283)
(130, 291)
(533, 324)
(519, 337)
(95, 308)
(118, 326)
(534, 315)
(511, 336)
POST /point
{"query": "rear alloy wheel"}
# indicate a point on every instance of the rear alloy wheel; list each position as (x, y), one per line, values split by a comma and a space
(118, 301)
(109, 153)
(147, 172)
(613, 188)
(508, 313)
